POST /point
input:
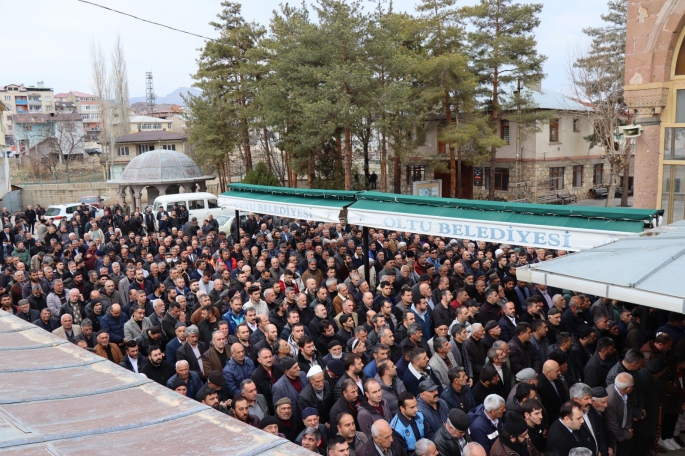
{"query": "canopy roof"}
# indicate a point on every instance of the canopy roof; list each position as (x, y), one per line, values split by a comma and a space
(306, 204)
(540, 225)
(641, 269)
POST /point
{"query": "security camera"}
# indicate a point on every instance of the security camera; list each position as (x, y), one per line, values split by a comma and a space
(631, 131)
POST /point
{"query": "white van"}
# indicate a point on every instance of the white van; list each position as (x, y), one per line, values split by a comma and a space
(199, 205)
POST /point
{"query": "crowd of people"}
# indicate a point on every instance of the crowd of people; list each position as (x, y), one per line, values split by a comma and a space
(438, 350)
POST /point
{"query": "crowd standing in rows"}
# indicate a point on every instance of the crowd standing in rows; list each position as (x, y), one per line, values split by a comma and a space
(439, 351)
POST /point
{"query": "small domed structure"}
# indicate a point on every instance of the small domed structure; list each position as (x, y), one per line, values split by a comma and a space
(160, 169)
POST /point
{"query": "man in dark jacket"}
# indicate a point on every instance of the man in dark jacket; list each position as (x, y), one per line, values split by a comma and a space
(597, 368)
(452, 435)
(131, 360)
(560, 440)
(551, 390)
(318, 394)
(25, 311)
(190, 349)
(508, 322)
(381, 437)
(522, 354)
(156, 368)
(266, 374)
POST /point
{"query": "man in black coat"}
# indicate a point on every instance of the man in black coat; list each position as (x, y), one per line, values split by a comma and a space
(132, 360)
(187, 351)
(565, 432)
(508, 322)
(265, 375)
(317, 385)
(25, 311)
(156, 368)
(551, 390)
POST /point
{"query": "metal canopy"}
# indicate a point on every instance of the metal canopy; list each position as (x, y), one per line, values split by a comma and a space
(642, 269)
(557, 227)
(305, 204)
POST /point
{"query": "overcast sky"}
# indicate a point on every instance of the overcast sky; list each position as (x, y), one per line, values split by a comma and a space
(52, 40)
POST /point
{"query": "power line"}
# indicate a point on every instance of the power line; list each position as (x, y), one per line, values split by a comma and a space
(145, 20)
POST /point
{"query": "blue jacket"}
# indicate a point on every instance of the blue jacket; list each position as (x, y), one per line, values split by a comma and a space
(404, 431)
(194, 384)
(433, 419)
(283, 388)
(233, 320)
(450, 396)
(235, 373)
(114, 328)
(171, 348)
(481, 427)
(675, 332)
(425, 323)
(370, 370)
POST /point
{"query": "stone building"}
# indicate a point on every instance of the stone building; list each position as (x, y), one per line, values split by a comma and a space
(655, 90)
(558, 157)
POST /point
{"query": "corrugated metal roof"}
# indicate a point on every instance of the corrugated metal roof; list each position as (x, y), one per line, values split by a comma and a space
(60, 399)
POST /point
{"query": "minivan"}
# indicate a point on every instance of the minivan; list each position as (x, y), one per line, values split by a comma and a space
(199, 204)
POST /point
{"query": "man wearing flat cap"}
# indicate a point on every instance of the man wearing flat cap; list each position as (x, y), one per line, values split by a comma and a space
(594, 416)
(513, 438)
(453, 435)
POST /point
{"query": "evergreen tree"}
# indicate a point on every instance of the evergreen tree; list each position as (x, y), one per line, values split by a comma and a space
(502, 48)
(230, 66)
(260, 175)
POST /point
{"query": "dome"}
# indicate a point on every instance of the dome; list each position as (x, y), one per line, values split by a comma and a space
(159, 166)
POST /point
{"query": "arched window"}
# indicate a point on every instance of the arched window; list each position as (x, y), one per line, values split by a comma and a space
(680, 62)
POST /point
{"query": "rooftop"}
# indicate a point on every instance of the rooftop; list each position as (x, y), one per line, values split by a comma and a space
(102, 408)
(161, 166)
(151, 136)
(42, 118)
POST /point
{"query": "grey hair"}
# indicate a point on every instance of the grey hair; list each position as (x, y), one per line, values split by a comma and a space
(330, 282)
(244, 383)
(438, 342)
(471, 448)
(580, 390)
(492, 402)
(422, 447)
(313, 432)
(414, 328)
(623, 384)
(476, 327)
(557, 297)
(181, 363)
(498, 344)
(580, 451)
(192, 329)
(374, 430)
(341, 286)
(157, 302)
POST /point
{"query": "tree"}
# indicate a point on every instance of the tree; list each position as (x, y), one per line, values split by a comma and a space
(502, 47)
(229, 68)
(67, 140)
(597, 77)
(110, 84)
(260, 175)
(212, 133)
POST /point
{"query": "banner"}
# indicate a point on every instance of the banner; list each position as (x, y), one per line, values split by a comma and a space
(287, 210)
(556, 238)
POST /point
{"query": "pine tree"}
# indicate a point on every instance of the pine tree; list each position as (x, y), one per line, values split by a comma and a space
(503, 50)
(230, 66)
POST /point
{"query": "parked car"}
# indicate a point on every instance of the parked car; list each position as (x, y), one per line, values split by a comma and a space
(226, 221)
(94, 151)
(57, 212)
(92, 200)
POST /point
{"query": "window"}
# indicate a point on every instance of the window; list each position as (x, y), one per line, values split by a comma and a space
(169, 126)
(169, 146)
(674, 143)
(504, 130)
(556, 178)
(416, 173)
(578, 176)
(501, 178)
(554, 131)
(123, 151)
(48, 98)
(195, 204)
(211, 204)
(8, 97)
(142, 148)
(576, 125)
(598, 174)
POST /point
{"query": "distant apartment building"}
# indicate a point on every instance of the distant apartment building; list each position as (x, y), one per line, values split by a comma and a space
(86, 105)
(21, 99)
(49, 134)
